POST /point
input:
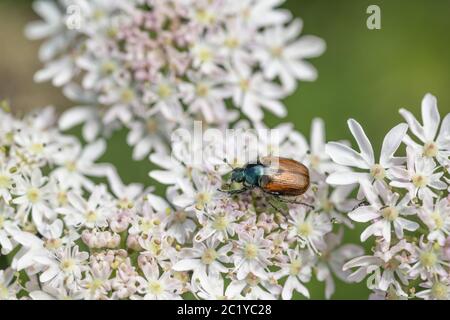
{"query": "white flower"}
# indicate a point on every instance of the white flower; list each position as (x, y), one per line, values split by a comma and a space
(333, 259)
(255, 288)
(429, 261)
(252, 255)
(147, 136)
(7, 226)
(365, 160)
(9, 288)
(437, 218)
(385, 210)
(281, 54)
(298, 271)
(433, 144)
(388, 266)
(213, 288)
(419, 177)
(204, 259)
(251, 93)
(76, 163)
(33, 195)
(309, 228)
(156, 286)
(91, 213)
(64, 266)
(435, 289)
(96, 284)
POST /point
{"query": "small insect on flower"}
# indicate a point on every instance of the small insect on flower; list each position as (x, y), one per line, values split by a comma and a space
(280, 177)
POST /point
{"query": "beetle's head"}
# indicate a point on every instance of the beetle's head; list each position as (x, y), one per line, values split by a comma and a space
(237, 175)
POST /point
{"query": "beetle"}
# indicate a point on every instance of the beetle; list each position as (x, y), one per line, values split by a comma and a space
(276, 176)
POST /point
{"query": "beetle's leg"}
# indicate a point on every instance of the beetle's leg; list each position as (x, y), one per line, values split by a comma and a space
(276, 208)
(301, 203)
(233, 192)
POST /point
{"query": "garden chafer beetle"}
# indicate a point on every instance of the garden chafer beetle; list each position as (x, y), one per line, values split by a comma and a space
(281, 177)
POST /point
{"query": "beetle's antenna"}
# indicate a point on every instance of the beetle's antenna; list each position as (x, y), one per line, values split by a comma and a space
(229, 164)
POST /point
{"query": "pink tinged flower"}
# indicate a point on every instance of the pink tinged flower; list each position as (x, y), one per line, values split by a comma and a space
(436, 215)
(282, 54)
(251, 93)
(157, 286)
(64, 266)
(33, 195)
(212, 287)
(298, 269)
(252, 255)
(429, 261)
(365, 159)
(419, 177)
(435, 289)
(206, 258)
(434, 142)
(309, 228)
(9, 288)
(385, 211)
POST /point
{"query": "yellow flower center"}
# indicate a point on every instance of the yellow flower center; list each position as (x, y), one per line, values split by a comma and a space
(202, 199)
(430, 150)
(71, 166)
(127, 95)
(377, 172)
(221, 223)
(209, 256)
(67, 265)
(155, 287)
(94, 285)
(419, 181)
(276, 51)
(91, 216)
(164, 91)
(2, 222)
(125, 204)
(244, 84)
(439, 291)
(37, 148)
(304, 229)
(251, 251)
(314, 160)
(62, 198)
(53, 244)
(231, 43)
(180, 216)
(152, 126)
(205, 17)
(428, 259)
(146, 225)
(5, 181)
(4, 292)
(389, 213)
(202, 90)
(205, 54)
(437, 219)
(108, 67)
(252, 279)
(33, 195)
(295, 267)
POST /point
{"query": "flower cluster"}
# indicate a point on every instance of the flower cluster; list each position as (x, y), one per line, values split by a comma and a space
(155, 65)
(68, 237)
(406, 203)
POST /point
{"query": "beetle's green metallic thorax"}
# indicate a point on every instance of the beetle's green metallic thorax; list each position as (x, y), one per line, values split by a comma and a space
(253, 174)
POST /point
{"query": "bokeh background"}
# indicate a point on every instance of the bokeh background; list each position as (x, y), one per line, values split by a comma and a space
(364, 74)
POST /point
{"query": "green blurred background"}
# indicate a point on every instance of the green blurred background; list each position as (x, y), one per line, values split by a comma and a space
(364, 74)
